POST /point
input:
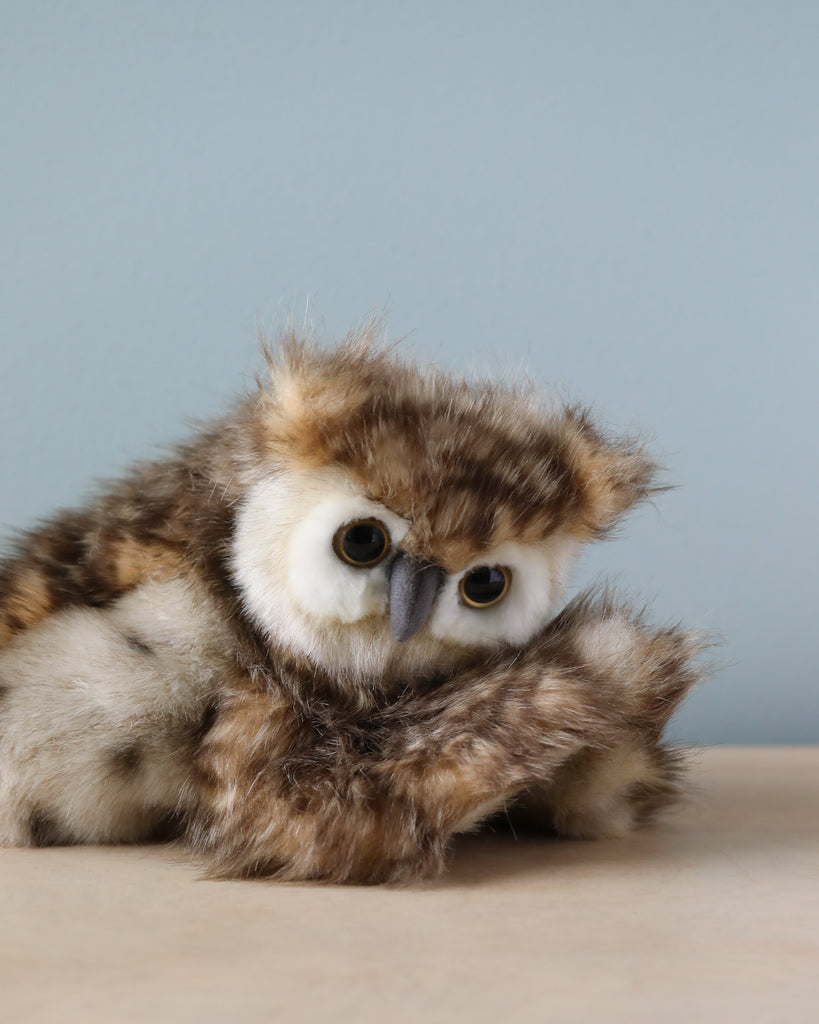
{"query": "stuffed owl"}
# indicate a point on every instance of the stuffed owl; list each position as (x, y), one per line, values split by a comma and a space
(323, 637)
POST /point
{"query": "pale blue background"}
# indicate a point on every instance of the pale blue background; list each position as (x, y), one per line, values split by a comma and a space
(622, 196)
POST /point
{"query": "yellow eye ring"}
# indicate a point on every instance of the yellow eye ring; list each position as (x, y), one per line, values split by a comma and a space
(362, 543)
(485, 586)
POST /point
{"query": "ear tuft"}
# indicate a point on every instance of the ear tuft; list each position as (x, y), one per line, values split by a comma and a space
(313, 390)
(611, 475)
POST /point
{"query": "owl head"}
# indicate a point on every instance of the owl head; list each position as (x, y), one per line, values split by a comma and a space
(399, 520)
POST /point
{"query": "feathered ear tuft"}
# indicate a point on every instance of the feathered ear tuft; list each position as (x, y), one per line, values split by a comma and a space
(611, 475)
(313, 390)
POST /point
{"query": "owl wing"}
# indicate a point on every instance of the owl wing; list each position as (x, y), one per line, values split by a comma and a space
(578, 714)
(86, 558)
(112, 649)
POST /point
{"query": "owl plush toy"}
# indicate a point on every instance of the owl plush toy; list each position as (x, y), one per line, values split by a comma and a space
(321, 639)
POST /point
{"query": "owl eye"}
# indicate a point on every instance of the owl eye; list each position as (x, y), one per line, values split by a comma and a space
(363, 543)
(485, 586)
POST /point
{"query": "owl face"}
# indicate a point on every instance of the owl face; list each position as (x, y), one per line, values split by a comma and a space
(320, 563)
(395, 520)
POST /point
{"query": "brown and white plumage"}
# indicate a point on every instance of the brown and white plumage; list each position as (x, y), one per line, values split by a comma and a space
(199, 645)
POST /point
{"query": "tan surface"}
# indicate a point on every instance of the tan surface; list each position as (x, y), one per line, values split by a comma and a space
(712, 916)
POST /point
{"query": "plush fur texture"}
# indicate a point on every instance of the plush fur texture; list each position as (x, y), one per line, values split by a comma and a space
(191, 649)
(302, 786)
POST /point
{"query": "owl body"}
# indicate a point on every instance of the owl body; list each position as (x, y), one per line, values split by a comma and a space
(320, 639)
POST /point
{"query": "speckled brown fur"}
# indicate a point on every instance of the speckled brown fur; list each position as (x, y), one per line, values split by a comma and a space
(367, 795)
(296, 776)
(403, 433)
(526, 472)
(166, 519)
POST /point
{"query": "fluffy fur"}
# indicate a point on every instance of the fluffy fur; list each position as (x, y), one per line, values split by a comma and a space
(304, 787)
(189, 649)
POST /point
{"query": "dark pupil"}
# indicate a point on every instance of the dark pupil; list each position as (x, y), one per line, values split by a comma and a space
(364, 542)
(484, 585)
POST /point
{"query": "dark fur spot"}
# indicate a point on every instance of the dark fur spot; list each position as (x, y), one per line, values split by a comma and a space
(126, 761)
(170, 825)
(151, 520)
(44, 830)
(14, 622)
(204, 727)
(138, 645)
(367, 740)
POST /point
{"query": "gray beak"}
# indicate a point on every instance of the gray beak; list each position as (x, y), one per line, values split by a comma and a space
(413, 585)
